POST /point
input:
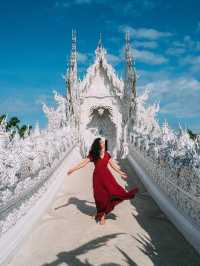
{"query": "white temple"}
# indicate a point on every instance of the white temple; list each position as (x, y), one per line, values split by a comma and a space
(101, 104)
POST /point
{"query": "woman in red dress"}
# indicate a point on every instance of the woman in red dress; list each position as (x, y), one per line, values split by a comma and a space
(106, 191)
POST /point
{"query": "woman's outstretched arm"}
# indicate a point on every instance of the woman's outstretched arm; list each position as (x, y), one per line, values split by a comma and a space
(81, 164)
(115, 164)
(117, 168)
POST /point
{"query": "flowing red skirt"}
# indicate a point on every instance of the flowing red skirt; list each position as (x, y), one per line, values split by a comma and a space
(108, 193)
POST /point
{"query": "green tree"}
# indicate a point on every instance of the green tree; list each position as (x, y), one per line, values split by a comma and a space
(23, 129)
(2, 117)
(14, 125)
(192, 135)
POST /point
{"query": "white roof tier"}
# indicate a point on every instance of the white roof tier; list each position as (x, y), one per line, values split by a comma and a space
(101, 79)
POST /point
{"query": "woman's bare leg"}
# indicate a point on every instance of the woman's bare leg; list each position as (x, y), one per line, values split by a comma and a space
(102, 221)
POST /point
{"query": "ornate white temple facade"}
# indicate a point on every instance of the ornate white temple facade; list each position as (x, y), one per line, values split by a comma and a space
(167, 162)
(102, 104)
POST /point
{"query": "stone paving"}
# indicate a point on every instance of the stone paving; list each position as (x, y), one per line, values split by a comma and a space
(135, 233)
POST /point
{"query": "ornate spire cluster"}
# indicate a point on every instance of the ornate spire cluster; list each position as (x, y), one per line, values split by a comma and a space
(71, 74)
(124, 89)
(72, 83)
(73, 57)
(130, 75)
(128, 52)
(100, 50)
(100, 44)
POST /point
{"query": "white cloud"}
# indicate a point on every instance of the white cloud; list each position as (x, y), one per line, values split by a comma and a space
(198, 26)
(191, 59)
(43, 98)
(145, 44)
(178, 44)
(187, 51)
(82, 58)
(127, 8)
(132, 7)
(69, 3)
(179, 97)
(25, 104)
(144, 33)
(64, 4)
(191, 44)
(147, 4)
(176, 51)
(192, 62)
(145, 56)
(17, 105)
(113, 59)
(81, 2)
(149, 57)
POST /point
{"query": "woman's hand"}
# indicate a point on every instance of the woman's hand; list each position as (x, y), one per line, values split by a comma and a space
(69, 172)
(124, 175)
(81, 164)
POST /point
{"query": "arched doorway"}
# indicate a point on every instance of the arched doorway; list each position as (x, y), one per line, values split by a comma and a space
(102, 124)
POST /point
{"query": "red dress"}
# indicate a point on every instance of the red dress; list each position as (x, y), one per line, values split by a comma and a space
(106, 191)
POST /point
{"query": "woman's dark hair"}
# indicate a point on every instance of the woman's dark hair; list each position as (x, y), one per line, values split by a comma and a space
(106, 144)
(95, 149)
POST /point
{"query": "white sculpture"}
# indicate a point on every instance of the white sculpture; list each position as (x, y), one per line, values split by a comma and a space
(171, 158)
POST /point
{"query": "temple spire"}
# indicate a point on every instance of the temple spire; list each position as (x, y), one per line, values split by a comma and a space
(73, 95)
(73, 57)
(128, 51)
(130, 75)
(100, 43)
(71, 75)
(100, 50)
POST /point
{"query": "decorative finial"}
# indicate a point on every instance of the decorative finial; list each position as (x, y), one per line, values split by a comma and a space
(100, 45)
(128, 51)
(127, 37)
(100, 50)
(73, 40)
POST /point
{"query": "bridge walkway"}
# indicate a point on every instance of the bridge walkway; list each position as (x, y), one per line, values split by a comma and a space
(135, 233)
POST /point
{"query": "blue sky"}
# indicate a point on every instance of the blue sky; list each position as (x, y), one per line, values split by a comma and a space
(35, 42)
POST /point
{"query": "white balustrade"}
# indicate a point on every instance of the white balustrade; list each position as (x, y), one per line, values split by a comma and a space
(172, 160)
(27, 163)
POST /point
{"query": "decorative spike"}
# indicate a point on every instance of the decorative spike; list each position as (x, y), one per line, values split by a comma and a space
(73, 41)
(127, 37)
(71, 74)
(129, 77)
(100, 51)
(128, 51)
(100, 44)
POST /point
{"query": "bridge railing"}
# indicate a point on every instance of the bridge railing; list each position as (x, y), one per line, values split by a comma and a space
(186, 197)
(177, 192)
(170, 158)
(25, 167)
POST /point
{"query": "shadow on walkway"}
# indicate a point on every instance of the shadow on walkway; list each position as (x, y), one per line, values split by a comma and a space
(84, 207)
(166, 246)
(71, 257)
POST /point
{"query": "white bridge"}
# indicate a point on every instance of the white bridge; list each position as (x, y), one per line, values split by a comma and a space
(46, 215)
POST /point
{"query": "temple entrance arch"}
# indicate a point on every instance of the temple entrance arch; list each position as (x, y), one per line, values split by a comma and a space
(101, 123)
